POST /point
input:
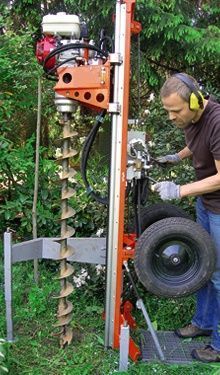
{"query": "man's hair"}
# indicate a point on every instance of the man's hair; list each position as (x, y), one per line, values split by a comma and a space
(174, 85)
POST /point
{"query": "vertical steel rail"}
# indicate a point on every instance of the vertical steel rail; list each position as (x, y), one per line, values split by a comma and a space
(8, 283)
(118, 174)
(113, 215)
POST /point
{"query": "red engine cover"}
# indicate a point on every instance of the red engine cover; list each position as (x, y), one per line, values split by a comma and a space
(43, 48)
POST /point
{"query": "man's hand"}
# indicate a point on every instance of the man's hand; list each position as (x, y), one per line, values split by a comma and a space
(171, 159)
(167, 190)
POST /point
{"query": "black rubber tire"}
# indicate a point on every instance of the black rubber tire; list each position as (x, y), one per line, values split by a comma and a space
(156, 255)
(156, 212)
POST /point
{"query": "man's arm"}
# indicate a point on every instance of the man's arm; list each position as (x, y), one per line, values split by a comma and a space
(207, 185)
(184, 153)
(168, 190)
(175, 158)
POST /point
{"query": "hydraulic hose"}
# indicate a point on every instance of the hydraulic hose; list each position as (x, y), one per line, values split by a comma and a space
(72, 46)
(84, 159)
(137, 207)
(103, 43)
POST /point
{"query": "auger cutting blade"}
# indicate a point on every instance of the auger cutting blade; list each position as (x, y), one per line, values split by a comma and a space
(69, 232)
(69, 174)
(66, 271)
(68, 133)
(70, 212)
(66, 252)
(63, 320)
(68, 193)
(67, 154)
(65, 291)
(66, 338)
(64, 309)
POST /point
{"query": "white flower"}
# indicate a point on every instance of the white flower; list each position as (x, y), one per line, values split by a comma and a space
(151, 144)
(99, 232)
(99, 268)
(82, 140)
(80, 279)
(146, 112)
(58, 152)
(151, 97)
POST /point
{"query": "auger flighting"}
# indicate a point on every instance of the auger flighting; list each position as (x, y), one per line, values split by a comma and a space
(65, 307)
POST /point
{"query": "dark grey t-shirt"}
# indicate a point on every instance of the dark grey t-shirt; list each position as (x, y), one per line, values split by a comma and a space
(203, 140)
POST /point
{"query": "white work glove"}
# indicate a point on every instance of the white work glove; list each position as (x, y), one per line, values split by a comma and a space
(172, 159)
(167, 190)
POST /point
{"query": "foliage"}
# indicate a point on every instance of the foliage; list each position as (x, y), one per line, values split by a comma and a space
(96, 22)
(17, 182)
(181, 36)
(18, 86)
(18, 81)
(91, 215)
(89, 280)
(17, 178)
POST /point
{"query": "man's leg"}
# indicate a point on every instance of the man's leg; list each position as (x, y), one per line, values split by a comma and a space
(211, 353)
(214, 220)
(205, 297)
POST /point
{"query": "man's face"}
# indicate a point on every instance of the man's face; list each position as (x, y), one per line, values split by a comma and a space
(178, 111)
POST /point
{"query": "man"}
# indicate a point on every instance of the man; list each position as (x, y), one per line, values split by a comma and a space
(200, 120)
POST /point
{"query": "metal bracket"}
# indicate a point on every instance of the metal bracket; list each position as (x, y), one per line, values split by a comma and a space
(116, 58)
(114, 108)
(124, 347)
(86, 250)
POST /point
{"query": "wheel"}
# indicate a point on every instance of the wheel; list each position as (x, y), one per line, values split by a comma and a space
(156, 212)
(174, 257)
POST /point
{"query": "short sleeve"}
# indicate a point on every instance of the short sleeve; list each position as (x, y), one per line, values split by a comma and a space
(214, 142)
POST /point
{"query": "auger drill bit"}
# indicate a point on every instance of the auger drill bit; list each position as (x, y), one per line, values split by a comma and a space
(64, 314)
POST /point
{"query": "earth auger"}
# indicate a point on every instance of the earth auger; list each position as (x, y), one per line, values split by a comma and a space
(63, 47)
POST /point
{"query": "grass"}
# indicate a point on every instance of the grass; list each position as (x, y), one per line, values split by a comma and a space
(36, 349)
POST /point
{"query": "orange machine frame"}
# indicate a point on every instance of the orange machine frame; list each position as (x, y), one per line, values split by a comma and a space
(87, 84)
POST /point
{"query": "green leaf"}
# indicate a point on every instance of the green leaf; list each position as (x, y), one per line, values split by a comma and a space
(4, 369)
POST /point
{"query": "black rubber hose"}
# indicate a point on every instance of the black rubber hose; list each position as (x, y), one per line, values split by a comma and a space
(84, 159)
(144, 190)
(104, 41)
(72, 46)
(58, 65)
(137, 207)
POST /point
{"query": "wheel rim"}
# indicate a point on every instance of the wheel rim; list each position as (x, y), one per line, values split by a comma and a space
(175, 261)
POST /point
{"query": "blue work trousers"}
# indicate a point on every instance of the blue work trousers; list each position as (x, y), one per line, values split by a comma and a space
(207, 315)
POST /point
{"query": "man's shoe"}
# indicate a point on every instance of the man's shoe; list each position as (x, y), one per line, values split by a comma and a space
(192, 331)
(207, 354)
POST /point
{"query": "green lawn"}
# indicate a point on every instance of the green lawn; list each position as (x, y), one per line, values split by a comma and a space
(36, 349)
